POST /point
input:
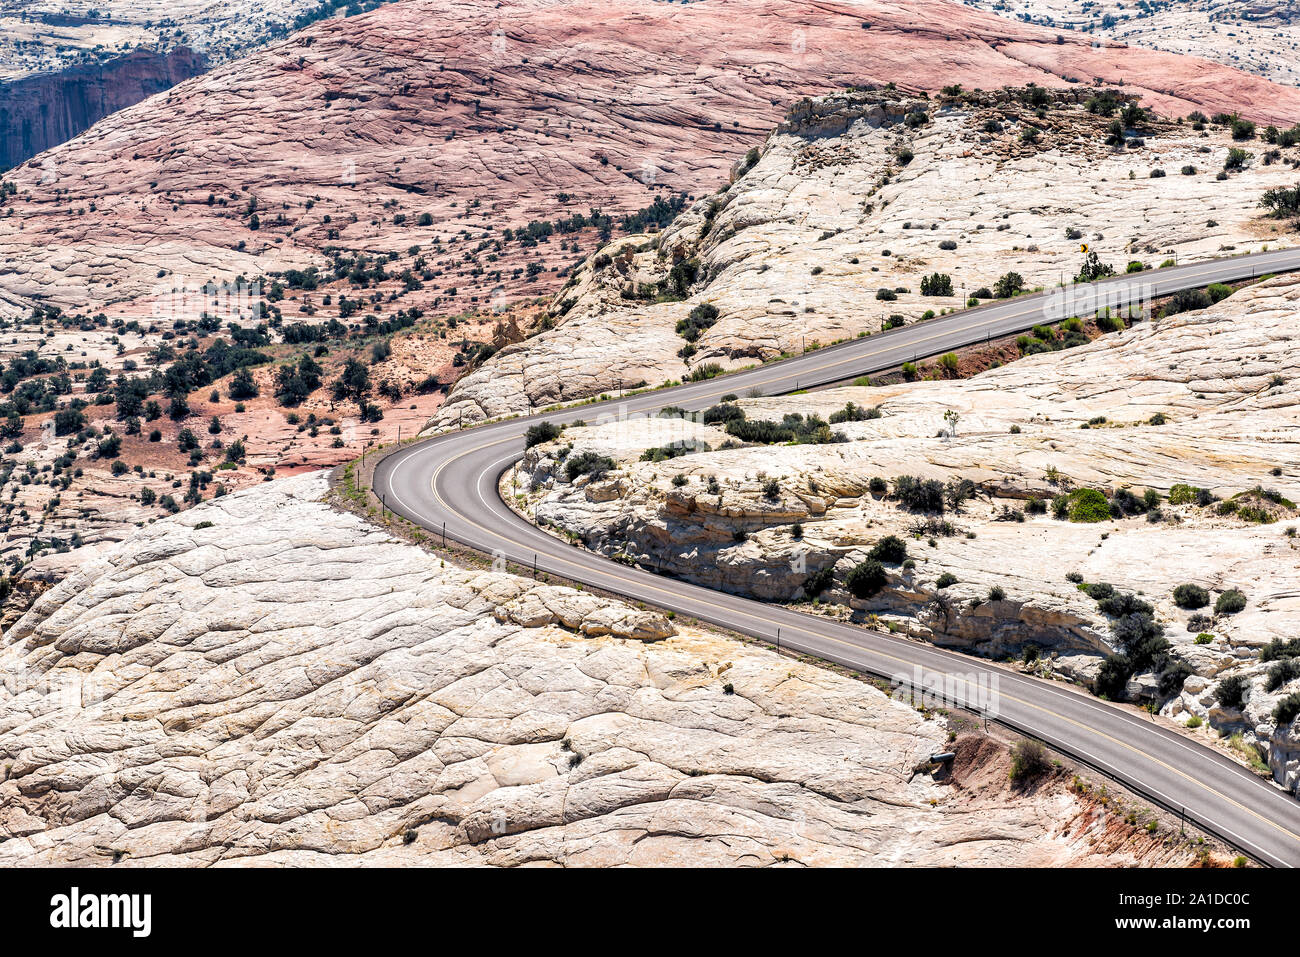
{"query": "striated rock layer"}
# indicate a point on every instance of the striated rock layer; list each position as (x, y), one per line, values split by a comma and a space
(828, 236)
(265, 680)
(481, 115)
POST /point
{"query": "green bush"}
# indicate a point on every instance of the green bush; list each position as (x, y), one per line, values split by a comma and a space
(1287, 709)
(819, 581)
(1028, 760)
(1087, 505)
(1232, 692)
(1284, 671)
(919, 495)
(1191, 596)
(1277, 649)
(587, 463)
(1230, 602)
(1008, 285)
(1112, 677)
(890, 549)
(539, 433)
(697, 321)
(866, 578)
(946, 579)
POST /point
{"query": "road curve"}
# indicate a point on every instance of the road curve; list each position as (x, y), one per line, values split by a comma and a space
(448, 485)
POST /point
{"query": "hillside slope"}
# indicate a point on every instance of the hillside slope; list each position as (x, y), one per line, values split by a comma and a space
(353, 131)
(266, 680)
(1183, 430)
(856, 198)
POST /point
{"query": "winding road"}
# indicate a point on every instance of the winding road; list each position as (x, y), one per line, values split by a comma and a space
(448, 485)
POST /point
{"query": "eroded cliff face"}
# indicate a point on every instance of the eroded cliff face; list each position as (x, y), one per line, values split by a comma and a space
(41, 111)
(265, 679)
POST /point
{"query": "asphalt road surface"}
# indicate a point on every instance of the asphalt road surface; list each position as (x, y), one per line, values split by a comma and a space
(448, 485)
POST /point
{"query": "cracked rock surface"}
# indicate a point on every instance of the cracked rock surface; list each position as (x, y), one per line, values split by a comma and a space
(292, 685)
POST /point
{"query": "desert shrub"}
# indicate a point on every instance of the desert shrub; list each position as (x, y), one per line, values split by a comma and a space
(1008, 285)
(674, 449)
(1189, 300)
(1172, 676)
(1191, 596)
(1232, 691)
(1182, 494)
(723, 412)
(936, 284)
(541, 432)
(1087, 505)
(1282, 672)
(697, 321)
(919, 495)
(706, 371)
(945, 580)
(885, 294)
(890, 549)
(1287, 709)
(997, 593)
(587, 463)
(1230, 602)
(877, 486)
(866, 578)
(819, 581)
(1237, 159)
(810, 430)
(242, 385)
(854, 413)
(1028, 760)
(948, 244)
(1112, 677)
(1278, 649)
(1282, 201)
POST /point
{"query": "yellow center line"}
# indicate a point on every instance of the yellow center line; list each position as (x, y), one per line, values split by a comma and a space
(616, 574)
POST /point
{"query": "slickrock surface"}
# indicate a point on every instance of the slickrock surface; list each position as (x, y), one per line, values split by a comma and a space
(420, 108)
(1259, 37)
(794, 252)
(1224, 379)
(290, 685)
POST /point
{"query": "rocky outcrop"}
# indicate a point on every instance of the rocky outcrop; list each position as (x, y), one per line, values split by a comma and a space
(353, 131)
(41, 111)
(828, 235)
(266, 680)
(1204, 399)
